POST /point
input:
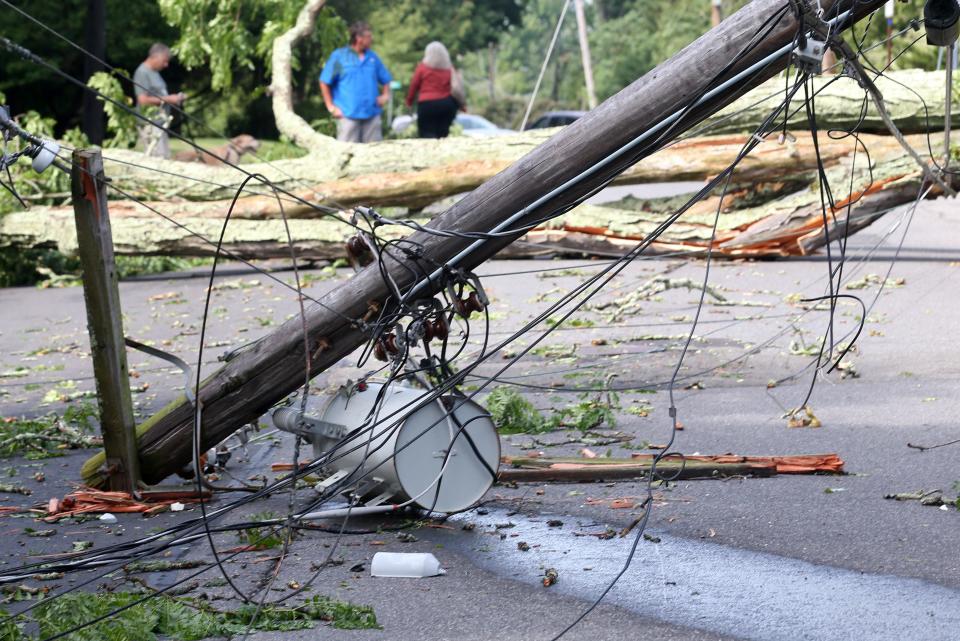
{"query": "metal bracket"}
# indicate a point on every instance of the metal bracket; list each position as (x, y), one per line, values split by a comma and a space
(809, 56)
(290, 420)
(330, 480)
(326, 429)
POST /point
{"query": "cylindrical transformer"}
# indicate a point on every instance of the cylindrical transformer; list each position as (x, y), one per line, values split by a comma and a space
(442, 455)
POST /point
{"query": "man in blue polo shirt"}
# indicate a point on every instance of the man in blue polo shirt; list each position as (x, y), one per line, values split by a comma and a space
(355, 86)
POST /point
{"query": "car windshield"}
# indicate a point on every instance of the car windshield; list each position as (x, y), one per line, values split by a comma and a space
(473, 122)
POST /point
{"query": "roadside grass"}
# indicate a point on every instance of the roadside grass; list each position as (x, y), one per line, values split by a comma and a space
(513, 414)
(47, 436)
(185, 619)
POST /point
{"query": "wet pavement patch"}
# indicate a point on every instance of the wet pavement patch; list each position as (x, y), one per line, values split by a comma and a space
(712, 587)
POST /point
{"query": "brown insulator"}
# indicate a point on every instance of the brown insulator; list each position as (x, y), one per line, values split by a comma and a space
(460, 307)
(356, 247)
(440, 329)
(390, 341)
(427, 331)
(380, 350)
(473, 302)
(358, 251)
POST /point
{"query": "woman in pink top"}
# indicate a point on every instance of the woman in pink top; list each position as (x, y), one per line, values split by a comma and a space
(434, 84)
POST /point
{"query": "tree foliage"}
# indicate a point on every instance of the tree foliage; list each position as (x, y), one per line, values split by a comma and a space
(644, 35)
(121, 123)
(226, 35)
(131, 28)
(223, 50)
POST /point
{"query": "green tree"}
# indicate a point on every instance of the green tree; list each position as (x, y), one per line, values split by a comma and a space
(647, 33)
(233, 38)
(519, 57)
(230, 42)
(131, 28)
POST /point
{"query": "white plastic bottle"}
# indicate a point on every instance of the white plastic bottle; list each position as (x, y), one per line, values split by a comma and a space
(410, 565)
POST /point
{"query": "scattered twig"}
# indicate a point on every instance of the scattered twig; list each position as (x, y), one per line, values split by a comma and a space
(924, 448)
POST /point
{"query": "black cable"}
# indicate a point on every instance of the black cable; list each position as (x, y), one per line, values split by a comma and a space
(664, 227)
(648, 503)
(353, 321)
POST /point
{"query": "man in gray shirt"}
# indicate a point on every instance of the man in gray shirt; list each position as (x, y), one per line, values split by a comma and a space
(153, 101)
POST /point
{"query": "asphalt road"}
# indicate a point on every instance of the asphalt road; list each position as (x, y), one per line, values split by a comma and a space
(788, 557)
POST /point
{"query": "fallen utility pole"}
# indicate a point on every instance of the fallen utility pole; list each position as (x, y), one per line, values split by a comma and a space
(708, 74)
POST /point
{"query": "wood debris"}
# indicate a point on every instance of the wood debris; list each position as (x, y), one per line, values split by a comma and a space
(639, 466)
(90, 501)
(794, 464)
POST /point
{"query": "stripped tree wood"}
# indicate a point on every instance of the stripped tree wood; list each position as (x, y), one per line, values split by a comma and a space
(608, 229)
(693, 159)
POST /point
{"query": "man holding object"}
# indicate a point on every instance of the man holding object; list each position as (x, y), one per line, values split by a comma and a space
(151, 91)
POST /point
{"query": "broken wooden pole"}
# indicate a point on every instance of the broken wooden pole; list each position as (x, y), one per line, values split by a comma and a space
(781, 464)
(102, 296)
(245, 388)
(673, 469)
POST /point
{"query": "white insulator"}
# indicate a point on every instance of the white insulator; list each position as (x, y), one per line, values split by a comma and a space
(45, 155)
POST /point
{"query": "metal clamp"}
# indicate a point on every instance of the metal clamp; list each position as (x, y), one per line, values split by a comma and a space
(808, 56)
(293, 421)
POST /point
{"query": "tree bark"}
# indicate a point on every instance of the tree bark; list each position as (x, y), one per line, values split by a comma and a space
(259, 377)
(281, 86)
(776, 213)
(689, 160)
(913, 97)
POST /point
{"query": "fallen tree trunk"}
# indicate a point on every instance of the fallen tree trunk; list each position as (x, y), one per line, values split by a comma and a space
(775, 219)
(693, 159)
(913, 97)
(265, 373)
(137, 233)
(413, 173)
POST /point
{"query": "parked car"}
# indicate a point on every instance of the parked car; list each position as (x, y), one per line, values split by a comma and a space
(478, 126)
(472, 125)
(555, 119)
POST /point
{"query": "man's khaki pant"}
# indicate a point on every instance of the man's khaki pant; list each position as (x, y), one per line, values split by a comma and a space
(350, 130)
(154, 141)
